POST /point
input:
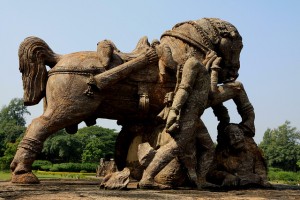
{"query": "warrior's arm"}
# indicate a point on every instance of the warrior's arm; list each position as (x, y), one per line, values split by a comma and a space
(122, 71)
(189, 74)
(235, 91)
(246, 111)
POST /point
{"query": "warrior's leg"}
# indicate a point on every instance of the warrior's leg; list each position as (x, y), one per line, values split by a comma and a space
(162, 157)
(205, 152)
(192, 97)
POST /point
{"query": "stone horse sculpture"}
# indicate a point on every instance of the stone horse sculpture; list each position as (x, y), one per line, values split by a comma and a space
(128, 87)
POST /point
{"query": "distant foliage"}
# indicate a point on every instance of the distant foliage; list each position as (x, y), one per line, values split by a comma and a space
(281, 147)
(74, 167)
(12, 128)
(45, 165)
(99, 143)
(14, 112)
(62, 147)
(88, 145)
(41, 165)
(278, 175)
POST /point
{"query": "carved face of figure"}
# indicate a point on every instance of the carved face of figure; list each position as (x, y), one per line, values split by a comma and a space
(230, 49)
(236, 137)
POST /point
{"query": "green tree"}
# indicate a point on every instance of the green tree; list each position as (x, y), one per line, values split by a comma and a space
(12, 128)
(93, 151)
(9, 153)
(281, 147)
(14, 112)
(98, 143)
(89, 144)
(62, 147)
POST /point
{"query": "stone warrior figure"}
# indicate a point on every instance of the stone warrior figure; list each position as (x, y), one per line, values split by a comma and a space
(193, 88)
(237, 160)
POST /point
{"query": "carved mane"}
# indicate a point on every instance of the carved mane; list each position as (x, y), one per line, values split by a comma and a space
(34, 54)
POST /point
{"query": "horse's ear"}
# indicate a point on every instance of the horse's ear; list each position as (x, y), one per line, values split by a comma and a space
(105, 51)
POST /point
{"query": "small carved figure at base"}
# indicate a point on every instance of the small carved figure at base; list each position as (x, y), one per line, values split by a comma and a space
(237, 161)
(117, 180)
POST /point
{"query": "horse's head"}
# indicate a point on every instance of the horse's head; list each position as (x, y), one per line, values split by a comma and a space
(226, 41)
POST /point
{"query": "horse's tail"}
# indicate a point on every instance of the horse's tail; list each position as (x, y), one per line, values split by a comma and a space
(34, 55)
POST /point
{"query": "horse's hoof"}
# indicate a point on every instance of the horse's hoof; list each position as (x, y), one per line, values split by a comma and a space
(27, 178)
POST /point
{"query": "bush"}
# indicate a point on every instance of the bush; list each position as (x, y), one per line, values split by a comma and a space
(5, 162)
(276, 174)
(74, 167)
(89, 167)
(54, 168)
(46, 167)
(41, 165)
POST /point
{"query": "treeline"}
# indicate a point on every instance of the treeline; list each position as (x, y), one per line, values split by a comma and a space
(88, 145)
(281, 147)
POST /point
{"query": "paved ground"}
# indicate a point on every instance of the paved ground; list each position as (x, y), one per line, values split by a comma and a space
(89, 190)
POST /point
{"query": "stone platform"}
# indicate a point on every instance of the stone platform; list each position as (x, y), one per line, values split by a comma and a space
(89, 190)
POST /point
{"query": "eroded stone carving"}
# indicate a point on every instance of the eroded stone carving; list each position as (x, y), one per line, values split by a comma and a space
(237, 161)
(157, 92)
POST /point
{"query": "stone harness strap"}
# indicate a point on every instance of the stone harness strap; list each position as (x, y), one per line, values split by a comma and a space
(206, 44)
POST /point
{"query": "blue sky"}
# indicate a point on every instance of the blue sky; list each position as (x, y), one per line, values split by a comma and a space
(270, 61)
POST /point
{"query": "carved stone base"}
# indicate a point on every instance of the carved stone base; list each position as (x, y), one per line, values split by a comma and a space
(147, 184)
(116, 180)
(27, 178)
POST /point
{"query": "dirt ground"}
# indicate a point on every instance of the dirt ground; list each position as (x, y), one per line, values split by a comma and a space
(89, 190)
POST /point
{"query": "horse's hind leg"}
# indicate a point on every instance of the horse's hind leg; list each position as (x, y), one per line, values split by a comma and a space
(55, 117)
(27, 151)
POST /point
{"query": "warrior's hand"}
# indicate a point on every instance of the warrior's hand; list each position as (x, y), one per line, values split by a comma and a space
(216, 62)
(172, 125)
(211, 60)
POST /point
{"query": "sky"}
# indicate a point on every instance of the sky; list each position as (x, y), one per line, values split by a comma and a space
(270, 61)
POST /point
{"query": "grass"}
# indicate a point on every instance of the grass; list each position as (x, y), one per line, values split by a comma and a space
(283, 177)
(63, 175)
(5, 175)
